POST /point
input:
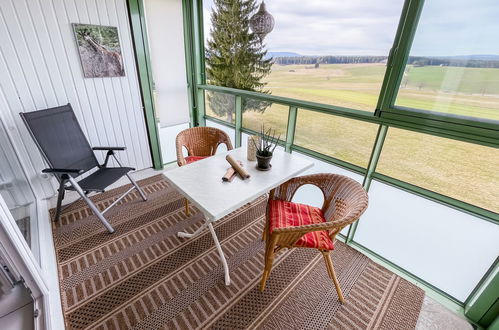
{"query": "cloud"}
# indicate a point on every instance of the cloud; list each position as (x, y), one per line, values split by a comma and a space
(366, 27)
(460, 27)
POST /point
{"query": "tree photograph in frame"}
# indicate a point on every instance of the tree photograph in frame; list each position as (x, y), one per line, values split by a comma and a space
(99, 49)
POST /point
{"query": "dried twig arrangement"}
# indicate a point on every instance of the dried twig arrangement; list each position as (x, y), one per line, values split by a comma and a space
(268, 142)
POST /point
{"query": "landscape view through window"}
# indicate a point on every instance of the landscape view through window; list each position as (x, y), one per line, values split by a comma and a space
(335, 52)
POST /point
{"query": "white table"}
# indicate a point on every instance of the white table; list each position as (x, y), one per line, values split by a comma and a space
(201, 183)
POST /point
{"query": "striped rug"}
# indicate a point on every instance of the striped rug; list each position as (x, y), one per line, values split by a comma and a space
(144, 277)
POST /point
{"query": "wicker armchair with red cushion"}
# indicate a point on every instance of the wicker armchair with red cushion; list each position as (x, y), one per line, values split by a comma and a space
(291, 225)
(200, 143)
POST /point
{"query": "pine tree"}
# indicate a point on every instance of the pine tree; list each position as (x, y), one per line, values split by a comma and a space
(235, 56)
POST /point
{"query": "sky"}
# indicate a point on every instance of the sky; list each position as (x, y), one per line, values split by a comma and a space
(368, 27)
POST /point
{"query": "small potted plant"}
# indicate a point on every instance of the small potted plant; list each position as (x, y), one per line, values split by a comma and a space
(265, 149)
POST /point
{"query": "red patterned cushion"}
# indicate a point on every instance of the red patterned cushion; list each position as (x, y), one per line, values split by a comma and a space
(192, 159)
(288, 214)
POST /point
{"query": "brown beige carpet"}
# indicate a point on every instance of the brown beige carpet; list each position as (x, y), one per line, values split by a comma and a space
(144, 277)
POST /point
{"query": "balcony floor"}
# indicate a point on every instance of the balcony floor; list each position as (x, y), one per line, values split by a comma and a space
(144, 276)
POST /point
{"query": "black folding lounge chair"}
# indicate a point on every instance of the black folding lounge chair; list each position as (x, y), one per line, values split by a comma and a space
(66, 149)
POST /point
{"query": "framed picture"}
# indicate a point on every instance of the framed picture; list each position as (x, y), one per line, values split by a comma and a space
(100, 51)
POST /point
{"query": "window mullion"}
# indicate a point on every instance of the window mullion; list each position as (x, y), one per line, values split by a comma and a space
(290, 132)
(371, 168)
(239, 119)
(399, 54)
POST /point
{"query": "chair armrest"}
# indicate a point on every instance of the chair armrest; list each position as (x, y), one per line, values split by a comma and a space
(62, 171)
(109, 148)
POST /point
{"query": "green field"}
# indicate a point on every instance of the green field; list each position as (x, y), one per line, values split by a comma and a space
(463, 80)
(457, 169)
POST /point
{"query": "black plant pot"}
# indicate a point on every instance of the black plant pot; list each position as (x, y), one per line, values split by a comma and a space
(263, 162)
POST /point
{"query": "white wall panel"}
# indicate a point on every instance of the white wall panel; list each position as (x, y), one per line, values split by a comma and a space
(40, 68)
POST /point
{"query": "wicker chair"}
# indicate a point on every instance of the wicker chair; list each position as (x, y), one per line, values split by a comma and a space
(291, 225)
(200, 142)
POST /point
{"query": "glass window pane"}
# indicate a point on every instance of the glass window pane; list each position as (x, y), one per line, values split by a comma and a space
(221, 106)
(326, 51)
(324, 167)
(453, 66)
(244, 142)
(461, 170)
(345, 139)
(16, 191)
(448, 248)
(274, 116)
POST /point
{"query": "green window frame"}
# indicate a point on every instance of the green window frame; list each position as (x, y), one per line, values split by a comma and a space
(463, 128)
(386, 115)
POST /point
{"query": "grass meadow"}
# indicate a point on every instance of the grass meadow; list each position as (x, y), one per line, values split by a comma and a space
(457, 169)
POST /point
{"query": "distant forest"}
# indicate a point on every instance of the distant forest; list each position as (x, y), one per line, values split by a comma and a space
(414, 60)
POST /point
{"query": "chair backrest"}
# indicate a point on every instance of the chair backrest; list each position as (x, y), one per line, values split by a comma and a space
(344, 198)
(60, 138)
(200, 141)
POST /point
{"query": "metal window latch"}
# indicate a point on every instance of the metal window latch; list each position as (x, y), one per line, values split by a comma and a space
(9, 276)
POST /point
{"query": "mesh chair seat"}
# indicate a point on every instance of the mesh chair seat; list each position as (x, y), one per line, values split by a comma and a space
(102, 178)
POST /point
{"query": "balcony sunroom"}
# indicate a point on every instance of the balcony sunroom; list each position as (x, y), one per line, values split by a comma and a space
(401, 97)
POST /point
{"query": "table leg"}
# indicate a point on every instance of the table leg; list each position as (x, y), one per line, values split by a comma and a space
(183, 234)
(221, 253)
(217, 245)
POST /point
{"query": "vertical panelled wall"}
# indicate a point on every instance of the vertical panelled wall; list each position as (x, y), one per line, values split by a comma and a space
(40, 68)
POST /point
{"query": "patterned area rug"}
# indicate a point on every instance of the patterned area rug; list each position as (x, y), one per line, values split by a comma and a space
(144, 277)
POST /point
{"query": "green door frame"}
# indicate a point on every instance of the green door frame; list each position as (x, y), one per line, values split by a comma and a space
(194, 44)
(143, 61)
(198, 55)
(482, 306)
(190, 64)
